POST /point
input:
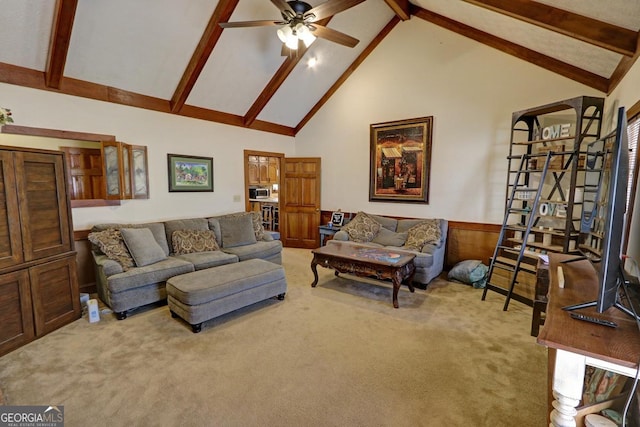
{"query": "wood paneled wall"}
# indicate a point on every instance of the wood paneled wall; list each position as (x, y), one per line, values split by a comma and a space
(86, 272)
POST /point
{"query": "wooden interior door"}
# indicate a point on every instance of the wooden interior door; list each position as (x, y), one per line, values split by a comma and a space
(85, 172)
(300, 202)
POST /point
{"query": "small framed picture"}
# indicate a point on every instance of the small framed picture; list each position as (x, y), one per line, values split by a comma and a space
(337, 218)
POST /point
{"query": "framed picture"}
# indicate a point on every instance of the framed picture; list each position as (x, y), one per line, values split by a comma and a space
(337, 219)
(190, 173)
(400, 161)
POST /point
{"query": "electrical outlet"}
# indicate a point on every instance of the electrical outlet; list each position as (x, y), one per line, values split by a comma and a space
(236, 197)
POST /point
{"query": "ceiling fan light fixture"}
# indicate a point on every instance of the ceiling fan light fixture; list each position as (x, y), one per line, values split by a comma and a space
(304, 33)
(292, 41)
(284, 33)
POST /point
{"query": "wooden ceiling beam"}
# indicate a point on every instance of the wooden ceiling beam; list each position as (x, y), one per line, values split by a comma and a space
(276, 81)
(201, 54)
(354, 65)
(622, 69)
(401, 8)
(65, 12)
(589, 30)
(551, 64)
(26, 77)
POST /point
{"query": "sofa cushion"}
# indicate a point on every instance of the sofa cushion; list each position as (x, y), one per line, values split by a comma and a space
(386, 237)
(427, 231)
(142, 245)
(262, 249)
(190, 241)
(390, 224)
(143, 276)
(111, 244)
(203, 260)
(183, 224)
(362, 228)
(237, 230)
(157, 229)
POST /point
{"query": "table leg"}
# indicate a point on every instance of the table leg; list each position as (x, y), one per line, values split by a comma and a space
(396, 287)
(568, 380)
(314, 268)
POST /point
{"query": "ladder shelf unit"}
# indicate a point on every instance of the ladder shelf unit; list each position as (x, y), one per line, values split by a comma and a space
(544, 192)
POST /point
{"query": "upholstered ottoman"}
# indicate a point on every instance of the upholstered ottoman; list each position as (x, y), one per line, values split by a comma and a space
(202, 295)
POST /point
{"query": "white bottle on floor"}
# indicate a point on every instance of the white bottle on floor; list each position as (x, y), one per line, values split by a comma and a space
(92, 308)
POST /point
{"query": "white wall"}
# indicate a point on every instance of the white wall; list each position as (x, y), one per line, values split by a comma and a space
(161, 133)
(626, 94)
(471, 90)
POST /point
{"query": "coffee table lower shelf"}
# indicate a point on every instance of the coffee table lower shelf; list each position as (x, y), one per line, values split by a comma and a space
(399, 273)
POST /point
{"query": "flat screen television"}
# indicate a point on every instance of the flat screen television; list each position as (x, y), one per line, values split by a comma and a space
(603, 213)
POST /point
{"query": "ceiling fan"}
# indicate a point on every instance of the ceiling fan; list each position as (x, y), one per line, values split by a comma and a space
(299, 23)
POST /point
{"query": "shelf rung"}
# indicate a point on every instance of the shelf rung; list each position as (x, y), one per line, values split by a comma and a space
(512, 263)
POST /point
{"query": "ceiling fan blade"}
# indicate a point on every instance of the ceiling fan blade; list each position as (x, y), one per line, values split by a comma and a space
(333, 35)
(330, 8)
(250, 24)
(283, 6)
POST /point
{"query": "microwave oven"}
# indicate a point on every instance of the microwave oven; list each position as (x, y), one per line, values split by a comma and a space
(259, 193)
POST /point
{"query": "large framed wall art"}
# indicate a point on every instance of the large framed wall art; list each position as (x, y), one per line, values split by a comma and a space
(401, 161)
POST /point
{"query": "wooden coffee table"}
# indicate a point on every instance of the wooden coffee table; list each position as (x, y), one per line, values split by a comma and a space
(366, 261)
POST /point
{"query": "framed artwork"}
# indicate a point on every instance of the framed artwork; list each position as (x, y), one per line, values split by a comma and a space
(337, 219)
(190, 173)
(400, 161)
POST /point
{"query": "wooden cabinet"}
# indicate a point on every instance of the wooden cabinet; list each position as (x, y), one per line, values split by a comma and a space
(263, 170)
(38, 283)
(125, 171)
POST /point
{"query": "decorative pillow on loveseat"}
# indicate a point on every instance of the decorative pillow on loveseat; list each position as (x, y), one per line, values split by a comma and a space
(112, 245)
(190, 241)
(427, 231)
(362, 228)
(142, 245)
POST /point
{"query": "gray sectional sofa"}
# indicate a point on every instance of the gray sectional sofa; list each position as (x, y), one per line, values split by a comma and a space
(125, 285)
(401, 234)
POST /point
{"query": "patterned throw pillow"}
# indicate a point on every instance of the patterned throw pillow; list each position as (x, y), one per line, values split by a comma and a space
(190, 241)
(425, 232)
(362, 228)
(112, 245)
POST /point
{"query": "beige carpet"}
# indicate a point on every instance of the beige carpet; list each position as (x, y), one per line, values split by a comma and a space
(336, 355)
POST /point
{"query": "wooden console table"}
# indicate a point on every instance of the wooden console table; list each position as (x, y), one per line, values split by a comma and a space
(573, 344)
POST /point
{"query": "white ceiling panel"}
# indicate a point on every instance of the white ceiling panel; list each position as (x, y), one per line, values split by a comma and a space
(242, 63)
(25, 29)
(571, 51)
(623, 13)
(364, 22)
(141, 46)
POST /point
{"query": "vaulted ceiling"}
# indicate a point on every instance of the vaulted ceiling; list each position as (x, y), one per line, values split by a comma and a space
(173, 56)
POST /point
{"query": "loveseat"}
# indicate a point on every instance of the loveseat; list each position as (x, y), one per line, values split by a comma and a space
(426, 238)
(134, 261)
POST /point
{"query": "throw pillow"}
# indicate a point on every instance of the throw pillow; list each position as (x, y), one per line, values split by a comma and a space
(142, 245)
(237, 230)
(189, 241)
(386, 237)
(362, 228)
(111, 244)
(427, 231)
